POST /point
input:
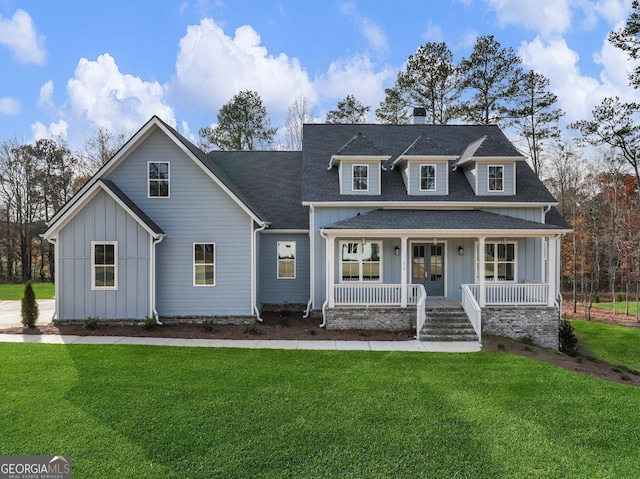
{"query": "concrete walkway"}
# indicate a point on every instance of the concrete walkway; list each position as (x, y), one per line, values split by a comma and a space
(11, 312)
(412, 346)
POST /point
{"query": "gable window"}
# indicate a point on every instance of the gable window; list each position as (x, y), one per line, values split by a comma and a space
(361, 261)
(158, 179)
(286, 259)
(427, 177)
(204, 264)
(360, 177)
(104, 256)
(496, 178)
(500, 261)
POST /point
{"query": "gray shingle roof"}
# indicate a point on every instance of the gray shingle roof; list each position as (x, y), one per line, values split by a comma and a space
(359, 145)
(111, 186)
(438, 220)
(321, 141)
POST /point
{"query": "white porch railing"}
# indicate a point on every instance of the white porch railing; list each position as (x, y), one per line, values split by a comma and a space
(471, 307)
(512, 294)
(421, 314)
(374, 294)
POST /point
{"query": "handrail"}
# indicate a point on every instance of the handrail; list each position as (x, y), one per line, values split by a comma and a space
(513, 294)
(421, 314)
(472, 308)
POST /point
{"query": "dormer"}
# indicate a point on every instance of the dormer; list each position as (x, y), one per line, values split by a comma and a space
(359, 165)
(490, 167)
(425, 171)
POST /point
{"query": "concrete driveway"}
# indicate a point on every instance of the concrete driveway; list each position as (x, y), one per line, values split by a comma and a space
(11, 312)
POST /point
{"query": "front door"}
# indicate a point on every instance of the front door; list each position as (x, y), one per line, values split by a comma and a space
(428, 267)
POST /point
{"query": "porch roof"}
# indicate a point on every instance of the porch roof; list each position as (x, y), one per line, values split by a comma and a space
(442, 220)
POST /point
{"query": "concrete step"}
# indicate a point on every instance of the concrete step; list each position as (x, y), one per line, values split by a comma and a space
(447, 324)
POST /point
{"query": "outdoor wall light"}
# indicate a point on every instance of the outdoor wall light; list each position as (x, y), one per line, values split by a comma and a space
(460, 250)
(397, 250)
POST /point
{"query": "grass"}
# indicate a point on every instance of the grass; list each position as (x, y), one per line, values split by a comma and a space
(620, 307)
(156, 412)
(613, 344)
(16, 291)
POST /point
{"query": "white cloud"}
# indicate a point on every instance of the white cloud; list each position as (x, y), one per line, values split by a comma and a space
(45, 97)
(103, 95)
(9, 106)
(20, 36)
(55, 130)
(433, 33)
(212, 67)
(547, 17)
(374, 35)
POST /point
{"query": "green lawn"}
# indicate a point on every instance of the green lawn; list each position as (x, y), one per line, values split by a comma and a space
(156, 412)
(621, 307)
(16, 291)
(613, 344)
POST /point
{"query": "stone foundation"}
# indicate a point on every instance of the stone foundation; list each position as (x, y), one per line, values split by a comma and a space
(382, 319)
(541, 324)
(170, 320)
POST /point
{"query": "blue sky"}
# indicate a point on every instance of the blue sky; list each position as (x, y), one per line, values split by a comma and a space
(68, 67)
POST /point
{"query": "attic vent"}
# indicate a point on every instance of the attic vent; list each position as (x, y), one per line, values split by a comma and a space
(419, 116)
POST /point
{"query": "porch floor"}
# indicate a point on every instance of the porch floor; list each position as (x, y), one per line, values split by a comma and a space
(442, 303)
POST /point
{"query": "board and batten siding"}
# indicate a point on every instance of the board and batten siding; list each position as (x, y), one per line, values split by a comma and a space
(102, 219)
(197, 211)
(279, 291)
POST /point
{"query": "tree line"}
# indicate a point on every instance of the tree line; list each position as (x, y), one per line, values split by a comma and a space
(597, 188)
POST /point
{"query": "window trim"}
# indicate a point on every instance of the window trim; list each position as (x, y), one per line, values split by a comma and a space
(489, 179)
(435, 176)
(95, 287)
(149, 179)
(353, 176)
(380, 243)
(194, 264)
(295, 260)
(495, 261)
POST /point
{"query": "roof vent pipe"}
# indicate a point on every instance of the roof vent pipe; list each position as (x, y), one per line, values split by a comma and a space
(419, 116)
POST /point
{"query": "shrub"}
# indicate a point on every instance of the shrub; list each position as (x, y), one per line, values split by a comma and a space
(207, 325)
(90, 323)
(251, 330)
(596, 298)
(149, 323)
(29, 307)
(618, 298)
(528, 339)
(567, 338)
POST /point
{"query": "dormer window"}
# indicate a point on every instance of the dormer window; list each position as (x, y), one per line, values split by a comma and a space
(496, 178)
(360, 177)
(427, 177)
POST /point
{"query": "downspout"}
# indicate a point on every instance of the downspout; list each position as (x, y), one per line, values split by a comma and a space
(56, 294)
(544, 213)
(152, 277)
(326, 299)
(312, 261)
(254, 271)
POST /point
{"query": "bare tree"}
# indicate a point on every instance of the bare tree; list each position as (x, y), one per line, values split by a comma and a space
(101, 147)
(298, 113)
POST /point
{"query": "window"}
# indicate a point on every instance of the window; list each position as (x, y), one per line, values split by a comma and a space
(427, 177)
(204, 264)
(496, 178)
(158, 179)
(360, 177)
(104, 256)
(500, 261)
(360, 261)
(286, 259)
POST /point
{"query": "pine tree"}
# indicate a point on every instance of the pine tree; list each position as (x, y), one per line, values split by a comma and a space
(29, 307)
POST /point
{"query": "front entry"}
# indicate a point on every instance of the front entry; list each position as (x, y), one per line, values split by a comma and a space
(428, 267)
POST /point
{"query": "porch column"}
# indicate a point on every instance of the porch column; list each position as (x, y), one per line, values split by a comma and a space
(552, 270)
(331, 249)
(403, 271)
(481, 268)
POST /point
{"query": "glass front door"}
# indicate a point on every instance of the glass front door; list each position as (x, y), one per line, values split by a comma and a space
(428, 267)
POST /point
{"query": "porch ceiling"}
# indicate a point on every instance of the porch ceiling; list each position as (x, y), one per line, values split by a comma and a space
(455, 221)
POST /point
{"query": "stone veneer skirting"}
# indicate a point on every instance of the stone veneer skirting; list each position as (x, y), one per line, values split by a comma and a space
(386, 319)
(171, 320)
(540, 324)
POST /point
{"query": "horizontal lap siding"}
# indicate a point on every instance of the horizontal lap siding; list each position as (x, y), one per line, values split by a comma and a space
(102, 219)
(483, 179)
(441, 178)
(280, 291)
(198, 210)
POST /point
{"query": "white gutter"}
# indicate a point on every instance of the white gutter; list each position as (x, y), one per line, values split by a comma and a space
(254, 271)
(326, 299)
(312, 261)
(152, 277)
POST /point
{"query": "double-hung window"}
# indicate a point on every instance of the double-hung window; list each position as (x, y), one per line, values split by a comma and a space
(500, 261)
(158, 175)
(427, 177)
(286, 259)
(360, 177)
(496, 178)
(361, 261)
(104, 265)
(204, 264)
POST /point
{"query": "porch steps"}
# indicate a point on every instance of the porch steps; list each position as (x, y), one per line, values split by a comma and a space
(447, 324)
